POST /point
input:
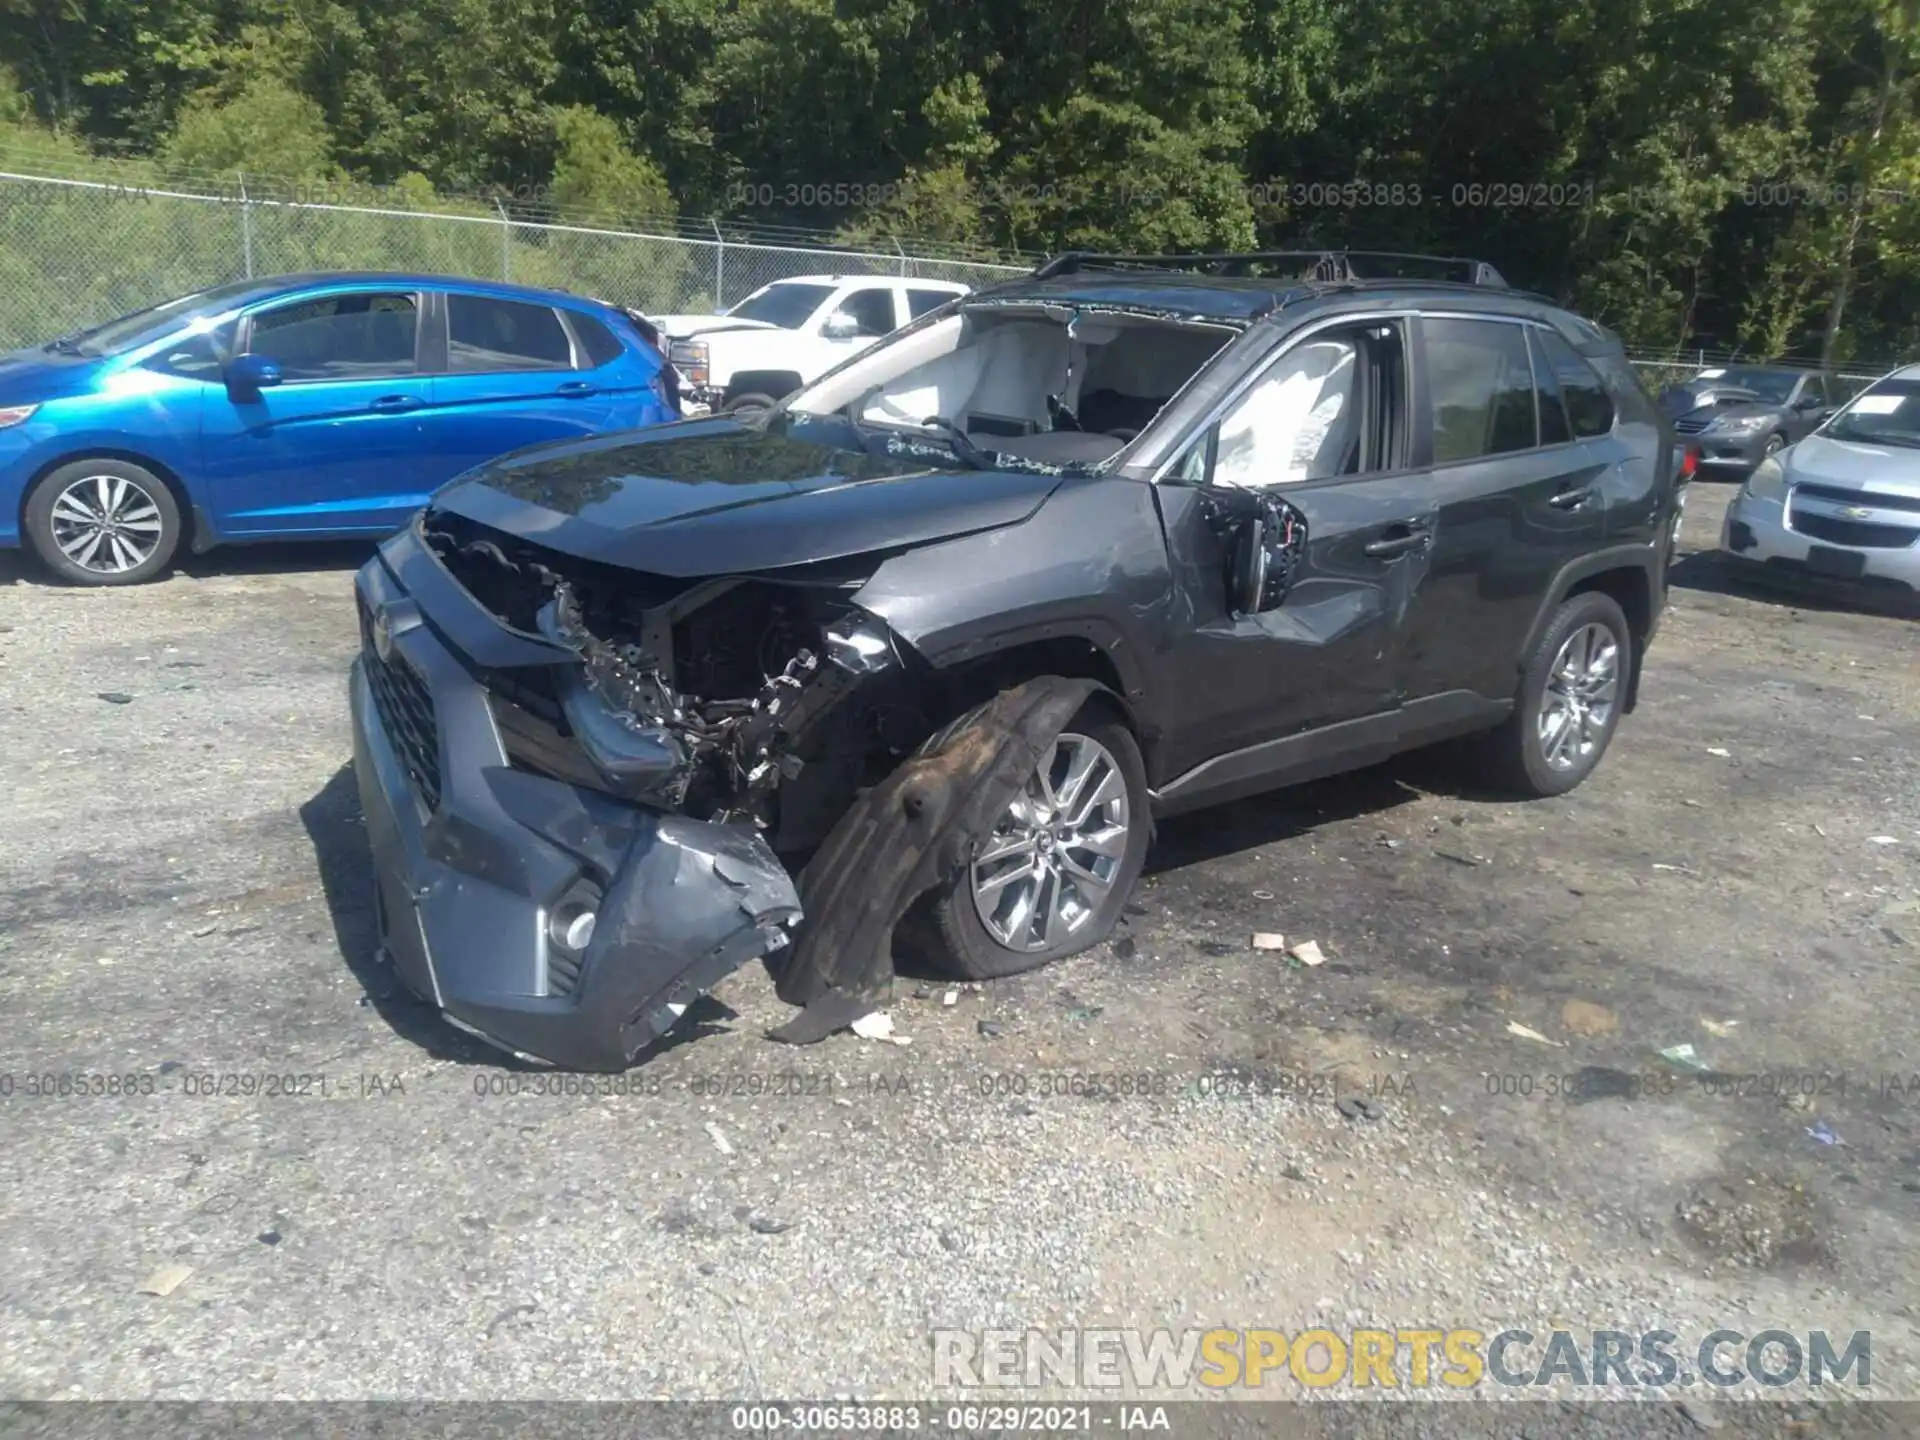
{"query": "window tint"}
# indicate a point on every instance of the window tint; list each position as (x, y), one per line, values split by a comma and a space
(194, 356)
(872, 311)
(1481, 385)
(595, 339)
(919, 302)
(339, 337)
(1589, 409)
(484, 334)
(1554, 427)
(1297, 423)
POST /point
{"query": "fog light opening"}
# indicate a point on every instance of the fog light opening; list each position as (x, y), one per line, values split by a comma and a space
(571, 925)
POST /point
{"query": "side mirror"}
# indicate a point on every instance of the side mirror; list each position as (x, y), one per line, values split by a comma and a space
(840, 326)
(1265, 540)
(1811, 402)
(249, 374)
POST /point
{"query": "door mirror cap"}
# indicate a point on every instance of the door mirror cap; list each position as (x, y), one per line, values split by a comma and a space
(247, 374)
(840, 326)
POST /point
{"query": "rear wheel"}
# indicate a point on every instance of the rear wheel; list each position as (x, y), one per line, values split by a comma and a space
(1052, 876)
(1568, 707)
(103, 522)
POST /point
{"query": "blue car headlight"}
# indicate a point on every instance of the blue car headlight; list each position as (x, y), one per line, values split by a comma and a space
(16, 414)
(1740, 425)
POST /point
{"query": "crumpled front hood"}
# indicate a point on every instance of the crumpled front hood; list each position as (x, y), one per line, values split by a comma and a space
(30, 376)
(1854, 465)
(711, 497)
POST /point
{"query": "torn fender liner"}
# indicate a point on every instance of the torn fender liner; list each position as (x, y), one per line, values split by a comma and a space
(913, 830)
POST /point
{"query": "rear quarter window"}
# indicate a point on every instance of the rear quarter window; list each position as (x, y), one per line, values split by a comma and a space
(596, 340)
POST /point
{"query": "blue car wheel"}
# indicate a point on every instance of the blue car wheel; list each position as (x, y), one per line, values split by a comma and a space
(103, 522)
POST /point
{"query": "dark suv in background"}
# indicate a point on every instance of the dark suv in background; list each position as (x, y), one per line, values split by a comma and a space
(921, 654)
(1736, 416)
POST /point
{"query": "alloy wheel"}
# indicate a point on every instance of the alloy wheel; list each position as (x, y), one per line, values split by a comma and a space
(1052, 859)
(1582, 689)
(106, 523)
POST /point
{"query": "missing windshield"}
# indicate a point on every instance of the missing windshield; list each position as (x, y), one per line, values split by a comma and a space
(1019, 385)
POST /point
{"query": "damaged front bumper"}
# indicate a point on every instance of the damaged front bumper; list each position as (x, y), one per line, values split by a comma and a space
(551, 920)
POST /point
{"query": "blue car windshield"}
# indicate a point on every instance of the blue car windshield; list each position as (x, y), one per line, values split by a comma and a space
(118, 336)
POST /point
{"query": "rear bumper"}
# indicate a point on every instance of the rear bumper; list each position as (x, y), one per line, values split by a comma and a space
(1756, 530)
(473, 859)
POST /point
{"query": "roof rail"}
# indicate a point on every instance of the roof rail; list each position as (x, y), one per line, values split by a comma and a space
(1323, 266)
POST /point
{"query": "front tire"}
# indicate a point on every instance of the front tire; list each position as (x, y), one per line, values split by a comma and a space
(1053, 876)
(1568, 706)
(103, 522)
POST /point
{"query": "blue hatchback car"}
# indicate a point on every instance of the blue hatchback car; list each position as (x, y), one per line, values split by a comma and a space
(303, 407)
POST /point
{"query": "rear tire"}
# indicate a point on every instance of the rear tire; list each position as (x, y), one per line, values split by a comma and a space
(1568, 705)
(972, 927)
(103, 522)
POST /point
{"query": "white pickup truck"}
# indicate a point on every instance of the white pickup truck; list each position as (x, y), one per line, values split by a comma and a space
(786, 333)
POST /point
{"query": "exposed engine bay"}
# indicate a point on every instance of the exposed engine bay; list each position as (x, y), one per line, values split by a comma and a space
(724, 699)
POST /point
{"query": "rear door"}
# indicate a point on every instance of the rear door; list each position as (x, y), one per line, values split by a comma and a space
(339, 445)
(1518, 489)
(513, 373)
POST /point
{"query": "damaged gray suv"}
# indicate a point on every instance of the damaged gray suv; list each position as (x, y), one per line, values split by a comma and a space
(911, 664)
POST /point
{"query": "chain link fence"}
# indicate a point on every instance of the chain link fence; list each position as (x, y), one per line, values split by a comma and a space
(75, 252)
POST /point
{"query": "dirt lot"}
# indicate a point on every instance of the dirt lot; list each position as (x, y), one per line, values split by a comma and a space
(186, 895)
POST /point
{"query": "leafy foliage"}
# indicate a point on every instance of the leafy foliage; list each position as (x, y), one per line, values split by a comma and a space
(1732, 173)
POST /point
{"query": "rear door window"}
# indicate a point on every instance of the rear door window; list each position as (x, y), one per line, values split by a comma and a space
(486, 334)
(1555, 428)
(353, 336)
(1480, 387)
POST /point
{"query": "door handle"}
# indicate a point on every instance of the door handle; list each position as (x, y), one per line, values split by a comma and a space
(387, 404)
(1572, 499)
(578, 387)
(1397, 540)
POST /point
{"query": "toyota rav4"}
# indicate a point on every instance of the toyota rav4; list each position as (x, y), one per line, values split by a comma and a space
(913, 662)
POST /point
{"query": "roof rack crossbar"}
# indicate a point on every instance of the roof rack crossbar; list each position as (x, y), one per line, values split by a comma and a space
(1325, 266)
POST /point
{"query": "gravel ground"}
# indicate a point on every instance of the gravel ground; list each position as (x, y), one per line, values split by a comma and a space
(186, 895)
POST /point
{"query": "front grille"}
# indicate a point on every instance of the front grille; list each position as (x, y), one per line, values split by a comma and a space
(1861, 534)
(1879, 499)
(406, 714)
(1690, 427)
(540, 746)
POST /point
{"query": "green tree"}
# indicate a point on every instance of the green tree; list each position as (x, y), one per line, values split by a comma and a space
(594, 172)
(265, 127)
